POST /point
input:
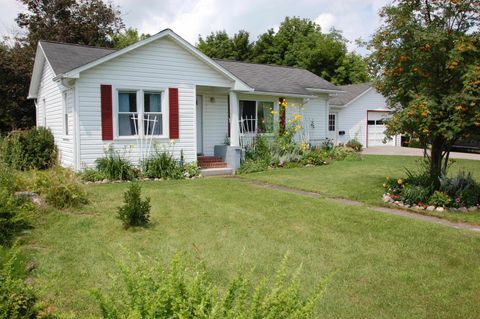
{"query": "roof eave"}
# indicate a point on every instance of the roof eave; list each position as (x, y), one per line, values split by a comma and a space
(327, 91)
(40, 60)
(280, 94)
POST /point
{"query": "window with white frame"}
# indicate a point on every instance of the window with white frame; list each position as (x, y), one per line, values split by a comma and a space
(140, 116)
(332, 122)
(256, 116)
(127, 113)
(152, 116)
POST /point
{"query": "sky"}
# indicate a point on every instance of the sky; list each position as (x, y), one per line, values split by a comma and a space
(191, 18)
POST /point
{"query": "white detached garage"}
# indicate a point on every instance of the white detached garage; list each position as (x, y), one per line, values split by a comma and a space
(360, 113)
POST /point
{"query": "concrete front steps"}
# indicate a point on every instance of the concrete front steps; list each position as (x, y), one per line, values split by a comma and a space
(213, 166)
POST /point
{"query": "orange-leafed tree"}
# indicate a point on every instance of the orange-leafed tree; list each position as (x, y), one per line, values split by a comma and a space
(426, 57)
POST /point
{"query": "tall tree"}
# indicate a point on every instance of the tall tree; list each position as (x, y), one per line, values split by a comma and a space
(427, 59)
(89, 22)
(219, 45)
(298, 42)
(127, 37)
(15, 68)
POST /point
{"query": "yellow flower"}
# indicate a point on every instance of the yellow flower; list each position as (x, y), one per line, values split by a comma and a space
(384, 185)
(400, 181)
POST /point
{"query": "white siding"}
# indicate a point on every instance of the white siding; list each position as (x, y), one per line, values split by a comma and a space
(316, 114)
(50, 92)
(157, 65)
(353, 118)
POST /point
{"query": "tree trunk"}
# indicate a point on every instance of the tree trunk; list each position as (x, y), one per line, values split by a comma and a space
(436, 158)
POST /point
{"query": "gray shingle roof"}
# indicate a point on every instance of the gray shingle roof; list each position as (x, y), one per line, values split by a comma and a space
(351, 91)
(274, 78)
(64, 57)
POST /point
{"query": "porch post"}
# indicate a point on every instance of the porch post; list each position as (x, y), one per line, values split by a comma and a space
(234, 120)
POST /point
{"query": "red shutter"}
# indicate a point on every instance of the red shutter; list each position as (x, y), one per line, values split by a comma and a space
(173, 113)
(106, 108)
(228, 108)
(282, 115)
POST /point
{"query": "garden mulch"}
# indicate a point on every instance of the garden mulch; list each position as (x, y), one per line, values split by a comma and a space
(349, 202)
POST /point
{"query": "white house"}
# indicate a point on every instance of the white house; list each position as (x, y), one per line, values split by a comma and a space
(359, 112)
(162, 89)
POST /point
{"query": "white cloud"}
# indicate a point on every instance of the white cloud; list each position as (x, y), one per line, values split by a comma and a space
(189, 18)
(326, 21)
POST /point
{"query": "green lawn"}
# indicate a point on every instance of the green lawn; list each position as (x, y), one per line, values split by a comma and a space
(383, 266)
(361, 180)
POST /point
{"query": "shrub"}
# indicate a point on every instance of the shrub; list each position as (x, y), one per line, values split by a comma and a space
(190, 170)
(420, 177)
(162, 165)
(440, 199)
(60, 187)
(315, 157)
(251, 166)
(135, 211)
(462, 188)
(115, 166)
(14, 212)
(91, 175)
(149, 290)
(33, 148)
(341, 153)
(354, 144)
(415, 195)
(17, 300)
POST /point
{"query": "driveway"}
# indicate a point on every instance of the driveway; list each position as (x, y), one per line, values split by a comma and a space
(409, 151)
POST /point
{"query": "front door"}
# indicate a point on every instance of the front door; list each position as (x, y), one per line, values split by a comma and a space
(333, 127)
(199, 103)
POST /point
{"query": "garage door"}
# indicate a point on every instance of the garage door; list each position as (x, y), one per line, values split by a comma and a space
(376, 129)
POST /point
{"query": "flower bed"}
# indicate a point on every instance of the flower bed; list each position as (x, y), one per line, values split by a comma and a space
(460, 193)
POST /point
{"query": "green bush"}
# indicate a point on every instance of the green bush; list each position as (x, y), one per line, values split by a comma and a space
(440, 199)
(60, 187)
(148, 290)
(415, 195)
(393, 186)
(115, 166)
(355, 145)
(251, 166)
(17, 300)
(91, 175)
(463, 188)
(14, 212)
(31, 149)
(341, 153)
(315, 156)
(162, 165)
(135, 211)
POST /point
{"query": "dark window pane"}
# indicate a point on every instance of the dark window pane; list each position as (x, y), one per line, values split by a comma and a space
(371, 122)
(153, 124)
(153, 102)
(380, 122)
(248, 115)
(127, 102)
(126, 125)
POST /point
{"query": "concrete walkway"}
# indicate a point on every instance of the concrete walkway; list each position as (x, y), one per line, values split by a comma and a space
(348, 202)
(410, 151)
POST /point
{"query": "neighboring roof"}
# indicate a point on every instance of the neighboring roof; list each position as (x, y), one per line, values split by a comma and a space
(277, 79)
(64, 57)
(350, 93)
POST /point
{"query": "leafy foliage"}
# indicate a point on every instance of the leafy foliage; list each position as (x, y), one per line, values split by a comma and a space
(355, 145)
(60, 187)
(31, 149)
(127, 37)
(152, 291)
(135, 211)
(298, 42)
(440, 199)
(415, 195)
(462, 188)
(115, 166)
(426, 59)
(162, 165)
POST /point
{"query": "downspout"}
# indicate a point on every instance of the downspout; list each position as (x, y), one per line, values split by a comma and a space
(76, 126)
(36, 112)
